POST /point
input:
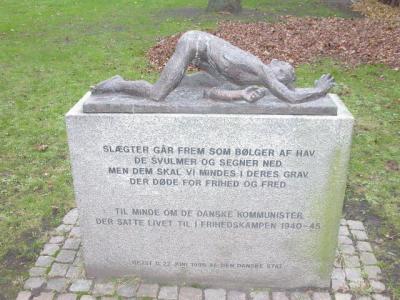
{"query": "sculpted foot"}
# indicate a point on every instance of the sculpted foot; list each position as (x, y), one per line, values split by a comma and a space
(156, 96)
(111, 85)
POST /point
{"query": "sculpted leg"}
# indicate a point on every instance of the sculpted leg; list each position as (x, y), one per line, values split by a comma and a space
(175, 68)
(169, 79)
(117, 84)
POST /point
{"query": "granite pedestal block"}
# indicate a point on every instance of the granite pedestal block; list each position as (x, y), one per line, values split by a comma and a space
(213, 199)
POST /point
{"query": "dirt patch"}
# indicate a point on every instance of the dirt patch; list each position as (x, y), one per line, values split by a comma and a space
(392, 165)
(22, 255)
(375, 9)
(359, 210)
(344, 6)
(304, 40)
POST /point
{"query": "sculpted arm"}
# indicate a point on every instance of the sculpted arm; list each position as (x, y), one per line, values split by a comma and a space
(249, 94)
(279, 90)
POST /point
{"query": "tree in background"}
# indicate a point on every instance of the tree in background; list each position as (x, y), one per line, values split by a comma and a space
(232, 6)
(391, 2)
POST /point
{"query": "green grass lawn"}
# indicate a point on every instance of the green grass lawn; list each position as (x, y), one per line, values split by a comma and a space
(52, 51)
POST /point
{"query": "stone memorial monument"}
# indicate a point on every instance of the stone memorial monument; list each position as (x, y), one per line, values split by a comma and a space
(227, 177)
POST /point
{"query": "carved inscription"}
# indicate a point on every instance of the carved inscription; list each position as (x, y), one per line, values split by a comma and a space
(172, 168)
(209, 167)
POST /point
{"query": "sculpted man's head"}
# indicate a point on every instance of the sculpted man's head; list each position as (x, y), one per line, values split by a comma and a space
(284, 72)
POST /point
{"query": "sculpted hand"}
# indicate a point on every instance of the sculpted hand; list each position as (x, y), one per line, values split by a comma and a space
(253, 93)
(325, 83)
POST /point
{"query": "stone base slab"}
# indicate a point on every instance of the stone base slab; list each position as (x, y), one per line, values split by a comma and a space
(188, 98)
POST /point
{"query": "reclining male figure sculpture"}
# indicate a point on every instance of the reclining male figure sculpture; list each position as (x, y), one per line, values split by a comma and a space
(221, 60)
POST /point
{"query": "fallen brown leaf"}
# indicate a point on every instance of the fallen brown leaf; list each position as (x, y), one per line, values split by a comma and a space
(42, 147)
(392, 165)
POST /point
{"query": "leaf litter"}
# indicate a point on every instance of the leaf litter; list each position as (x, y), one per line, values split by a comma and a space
(304, 40)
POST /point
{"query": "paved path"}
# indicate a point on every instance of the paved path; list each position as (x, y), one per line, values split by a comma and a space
(59, 274)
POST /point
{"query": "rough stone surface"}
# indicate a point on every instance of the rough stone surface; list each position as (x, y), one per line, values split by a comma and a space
(235, 295)
(358, 285)
(352, 261)
(214, 294)
(68, 296)
(74, 272)
(364, 246)
(99, 194)
(81, 285)
(343, 230)
(24, 295)
(58, 239)
(50, 249)
(71, 217)
(377, 286)
(345, 240)
(147, 290)
(126, 290)
(87, 297)
(339, 285)
(37, 271)
(259, 295)
(353, 274)
(380, 297)
(339, 261)
(348, 249)
(58, 270)
(44, 261)
(189, 293)
(279, 296)
(357, 225)
(75, 233)
(300, 296)
(338, 282)
(78, 260)
(359, 235)
(66, 256)
(57, 284)
(338, 273)
(168, 293)
(368, 259)
(63, 228)
(321, 296)
(72, 244)
(45, 296)
(339, 296)
(34, 284)
(188, 98)
(373, 272)
(104, 289)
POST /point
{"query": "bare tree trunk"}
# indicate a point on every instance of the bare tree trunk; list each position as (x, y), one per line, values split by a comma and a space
(232, 6)
(391, 2)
